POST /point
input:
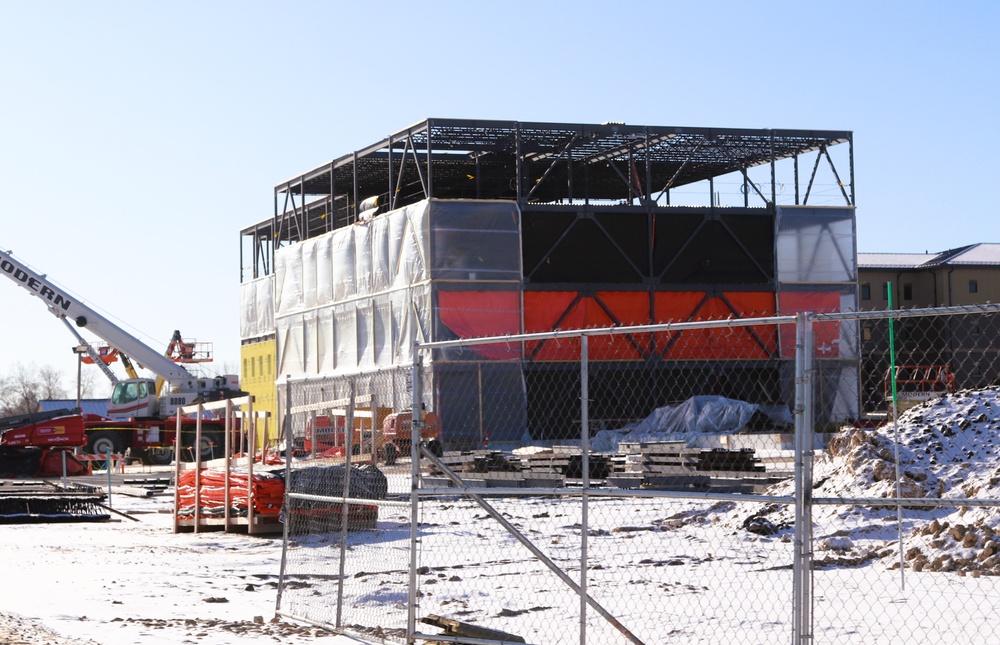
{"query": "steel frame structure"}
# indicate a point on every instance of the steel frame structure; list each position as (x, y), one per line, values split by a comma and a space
(547, 168)
(599, 226)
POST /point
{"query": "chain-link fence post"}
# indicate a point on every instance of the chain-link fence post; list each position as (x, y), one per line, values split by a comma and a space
(802, 564)
(585, 479)
(416, 428)
(344, 506)
(286, 414)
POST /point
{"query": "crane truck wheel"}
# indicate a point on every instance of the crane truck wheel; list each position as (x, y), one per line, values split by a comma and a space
(159, 456)
(101, 442)
(389, 454)
(212, 446)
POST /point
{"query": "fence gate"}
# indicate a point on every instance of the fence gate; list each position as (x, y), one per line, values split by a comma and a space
(346, 557)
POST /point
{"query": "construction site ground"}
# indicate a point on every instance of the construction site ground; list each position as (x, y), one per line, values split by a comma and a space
(131, 580)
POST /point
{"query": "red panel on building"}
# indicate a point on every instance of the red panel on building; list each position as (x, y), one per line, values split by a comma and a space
(475, 314)
(826, 335)
(715, 344)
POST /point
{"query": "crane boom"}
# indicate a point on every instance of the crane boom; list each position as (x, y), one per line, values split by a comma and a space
(94, 356)
(68, 308)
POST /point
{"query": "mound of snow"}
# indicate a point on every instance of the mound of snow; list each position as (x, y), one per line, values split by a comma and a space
(948, 448)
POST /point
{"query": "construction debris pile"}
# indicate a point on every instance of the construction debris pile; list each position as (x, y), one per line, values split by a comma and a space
(27, 502)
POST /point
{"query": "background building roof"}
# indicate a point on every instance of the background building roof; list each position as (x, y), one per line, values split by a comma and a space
(89, 406)
(893, 260)
(972, 255)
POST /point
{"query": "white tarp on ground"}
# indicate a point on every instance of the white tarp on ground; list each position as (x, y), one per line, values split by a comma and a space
(699, 415)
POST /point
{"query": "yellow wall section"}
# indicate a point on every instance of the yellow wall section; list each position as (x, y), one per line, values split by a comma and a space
(257, 365)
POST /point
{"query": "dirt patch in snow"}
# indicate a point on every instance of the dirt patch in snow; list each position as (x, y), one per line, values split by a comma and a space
(18, 630)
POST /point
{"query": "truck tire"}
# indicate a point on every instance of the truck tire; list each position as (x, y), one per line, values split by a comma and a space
(217, 449)
(101, 442)
(389, 454)
(212, 445)
(159, 456)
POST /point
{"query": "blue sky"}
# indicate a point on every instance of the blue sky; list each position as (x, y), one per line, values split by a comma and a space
(137, 139)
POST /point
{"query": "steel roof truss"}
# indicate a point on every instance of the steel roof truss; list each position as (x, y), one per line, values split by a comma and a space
(836, 175)
(752, 184)
(812, 176)
(677, 173)
(566, 150)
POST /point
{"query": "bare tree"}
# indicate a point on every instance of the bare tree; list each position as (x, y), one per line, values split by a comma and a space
(19, 391)
(49, 383)
(24, 387)
(91, 386)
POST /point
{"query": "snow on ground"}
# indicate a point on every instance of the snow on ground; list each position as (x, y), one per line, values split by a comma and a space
(681, 571)
(138, 582)
(671, 570)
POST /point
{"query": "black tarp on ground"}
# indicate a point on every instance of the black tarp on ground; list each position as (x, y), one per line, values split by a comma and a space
(324, 515)
(366, 482)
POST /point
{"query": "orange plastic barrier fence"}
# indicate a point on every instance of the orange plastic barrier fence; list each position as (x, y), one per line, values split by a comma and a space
(268, 494)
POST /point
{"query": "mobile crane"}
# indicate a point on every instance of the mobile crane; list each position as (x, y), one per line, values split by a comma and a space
(140, 410)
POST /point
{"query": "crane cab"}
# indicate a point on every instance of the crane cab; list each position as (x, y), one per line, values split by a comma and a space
(134, 397)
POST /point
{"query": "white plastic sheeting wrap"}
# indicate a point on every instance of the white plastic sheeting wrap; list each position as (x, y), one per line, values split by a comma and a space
(353, 299)
(817, 272)
(257, 308)
(815, 245)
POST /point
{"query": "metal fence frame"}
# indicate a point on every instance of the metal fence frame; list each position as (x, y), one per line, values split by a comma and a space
(580, 588)
(802, 627)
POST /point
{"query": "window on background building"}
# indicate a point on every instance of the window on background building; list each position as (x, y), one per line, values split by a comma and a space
(973, 286)
(907, 292)
(885, 291)
(268, 364)
(866, 291)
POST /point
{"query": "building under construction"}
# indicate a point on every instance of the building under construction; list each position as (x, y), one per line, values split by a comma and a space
(465, 228)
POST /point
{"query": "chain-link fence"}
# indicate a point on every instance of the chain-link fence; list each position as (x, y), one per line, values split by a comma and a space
(924, 569)
(755, 480)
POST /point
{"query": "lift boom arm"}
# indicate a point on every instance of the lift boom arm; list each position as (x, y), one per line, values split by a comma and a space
(67, 308)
